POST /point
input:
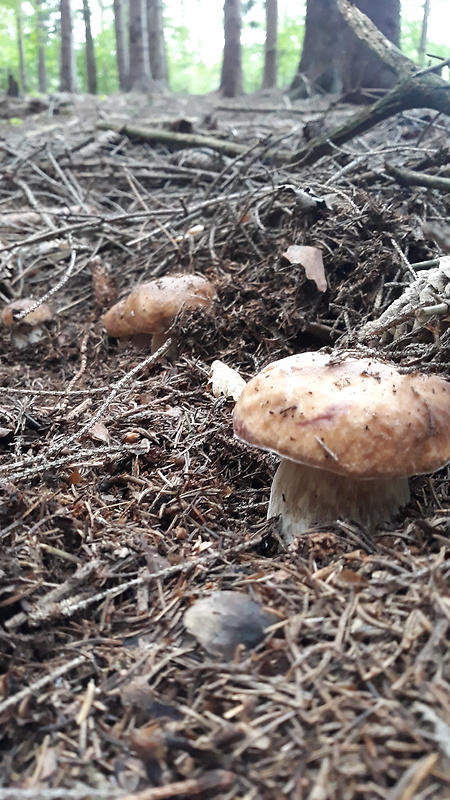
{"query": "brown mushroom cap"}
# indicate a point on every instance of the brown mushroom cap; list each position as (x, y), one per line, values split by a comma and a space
(42, 313)
(357, 417)
(152, 307)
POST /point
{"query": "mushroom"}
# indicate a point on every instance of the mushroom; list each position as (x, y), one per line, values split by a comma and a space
(349, 431)
(28, 329)
(152, 307)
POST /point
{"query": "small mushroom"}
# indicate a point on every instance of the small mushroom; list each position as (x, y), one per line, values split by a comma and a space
(349, 432)
(152, 307)
(28, 329)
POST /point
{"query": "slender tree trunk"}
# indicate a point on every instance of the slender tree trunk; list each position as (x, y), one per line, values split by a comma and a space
(140, 74)
(91, 68)
(231, 78)
(334, 59)
(67, 71)
(21, 49)
(121, 46)
(424, 32)
(156, 42)
(270, 50)
(41, 37)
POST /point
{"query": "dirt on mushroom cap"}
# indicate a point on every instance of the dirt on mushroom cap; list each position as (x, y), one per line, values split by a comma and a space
(353, 416)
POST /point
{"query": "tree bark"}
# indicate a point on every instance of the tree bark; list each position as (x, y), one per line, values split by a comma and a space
(334, 60)
(123, 65)
(140, 76)
(231, 78)
(67, 71)
(424, 32)
(91, 69)
(156, 42)
(21, 49)
(271, 45)
(41, 38)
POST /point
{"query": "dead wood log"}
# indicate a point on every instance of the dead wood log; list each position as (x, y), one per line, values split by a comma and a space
(413, 90)
(409, 177)
(177, 140)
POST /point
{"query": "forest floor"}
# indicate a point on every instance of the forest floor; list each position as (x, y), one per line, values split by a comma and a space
(125, 497)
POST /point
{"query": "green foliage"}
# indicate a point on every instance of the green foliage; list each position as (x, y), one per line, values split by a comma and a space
(290, 39)
(187, 71)
(410, 40)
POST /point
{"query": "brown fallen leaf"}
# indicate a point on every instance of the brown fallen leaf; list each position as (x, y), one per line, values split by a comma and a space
(311, 260)
(224, 620)
(99, 432)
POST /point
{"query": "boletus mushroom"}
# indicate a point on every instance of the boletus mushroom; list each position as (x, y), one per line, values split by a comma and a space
(28, 329)
(152, 307)
(349, 431)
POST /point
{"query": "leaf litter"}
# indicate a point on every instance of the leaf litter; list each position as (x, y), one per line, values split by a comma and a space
(125, 498)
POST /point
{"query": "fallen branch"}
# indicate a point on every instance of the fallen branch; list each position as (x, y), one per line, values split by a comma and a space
(409, 177)
(174, 138)
(414, 90)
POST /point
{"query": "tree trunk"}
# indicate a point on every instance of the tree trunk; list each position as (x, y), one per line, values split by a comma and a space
(424, 32)
(91, 69)
(41, 38)
(334, 59)
(270, 49)
(21, 49)
(121, 47)
(231, 78)
(156, 42)
(67, 71)
(140, 76)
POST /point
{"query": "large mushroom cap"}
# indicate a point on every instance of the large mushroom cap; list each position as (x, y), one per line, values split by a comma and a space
(152, 307)
(357, 417)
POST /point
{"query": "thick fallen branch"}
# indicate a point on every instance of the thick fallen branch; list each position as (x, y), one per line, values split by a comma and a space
(409, 177)
(175, 139)
(414, 90)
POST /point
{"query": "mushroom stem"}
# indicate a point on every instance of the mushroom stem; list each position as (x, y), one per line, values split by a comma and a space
(161, 338)
(306, 496)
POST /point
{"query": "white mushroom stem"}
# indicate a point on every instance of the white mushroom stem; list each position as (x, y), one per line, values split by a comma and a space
(305, 496)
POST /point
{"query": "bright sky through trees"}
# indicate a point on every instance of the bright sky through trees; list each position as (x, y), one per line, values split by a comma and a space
(204, 20)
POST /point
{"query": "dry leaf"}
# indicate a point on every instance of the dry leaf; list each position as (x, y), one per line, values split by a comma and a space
(99, 432)
(415, 625)
(194, 230)
(225, 620)
(226, 381)
(74, 477)
(311, 259)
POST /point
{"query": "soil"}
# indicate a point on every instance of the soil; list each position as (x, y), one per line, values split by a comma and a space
(125, 496)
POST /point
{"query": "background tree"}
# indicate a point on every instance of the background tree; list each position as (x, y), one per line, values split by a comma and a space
(231, 77)
(139, 72)
(270, 46)
(41, 40)
(156, 42)
(67, 68)
(21, 48)
(334, 59)
(91, 68)
(424, 31)
(121, 43)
